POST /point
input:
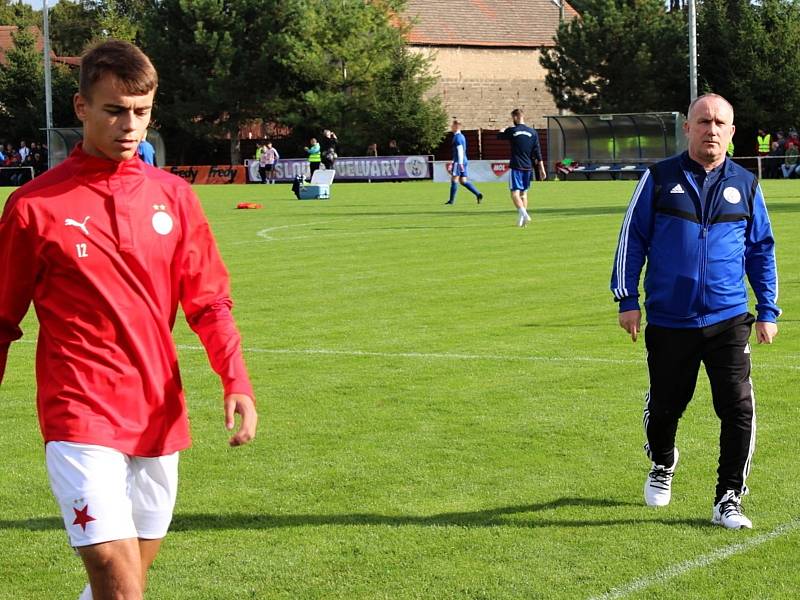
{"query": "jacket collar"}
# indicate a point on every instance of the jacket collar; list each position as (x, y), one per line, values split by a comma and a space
(93, 168)
(727, 168)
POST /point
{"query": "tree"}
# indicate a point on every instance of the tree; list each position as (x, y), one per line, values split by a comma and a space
(216, 63)
(620, 57)
(17, 13)
(22, 90)
(632, 57)
(73, 25)
(353, 72)
(750, 53)
(120, 19)
(307, 64)
(406, 114)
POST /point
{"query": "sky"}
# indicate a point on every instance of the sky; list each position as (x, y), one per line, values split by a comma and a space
(38, 3)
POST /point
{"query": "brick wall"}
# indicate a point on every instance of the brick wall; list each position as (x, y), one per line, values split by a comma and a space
(480, 86)
(489, 104)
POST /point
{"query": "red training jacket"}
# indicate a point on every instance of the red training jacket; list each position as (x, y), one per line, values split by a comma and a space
(106, 251)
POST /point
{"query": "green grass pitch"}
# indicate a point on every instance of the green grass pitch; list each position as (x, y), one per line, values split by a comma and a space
(449, 410)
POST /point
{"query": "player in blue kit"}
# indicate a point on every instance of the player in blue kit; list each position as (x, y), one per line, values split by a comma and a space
(525, 154)
(459, 165)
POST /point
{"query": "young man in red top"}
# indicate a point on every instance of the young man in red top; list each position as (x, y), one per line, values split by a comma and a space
(107, 247)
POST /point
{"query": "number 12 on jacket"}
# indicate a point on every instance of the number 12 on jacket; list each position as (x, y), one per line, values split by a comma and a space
(81, 250)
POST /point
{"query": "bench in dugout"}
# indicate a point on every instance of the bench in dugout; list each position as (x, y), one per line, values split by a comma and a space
(607, 171)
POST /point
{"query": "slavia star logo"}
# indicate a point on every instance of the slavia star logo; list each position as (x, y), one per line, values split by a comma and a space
(82, 517)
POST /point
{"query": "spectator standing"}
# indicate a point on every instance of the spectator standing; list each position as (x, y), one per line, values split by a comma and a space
(29, 172)
(24, 151)
(780, 137)
(773, 170)
(146, 151)
(12, 158)
(789, 166)
(39, 163)
(328, 147)
(314, 156)
(394, 149)
(266, 163)
(372, 149)
(763, 142)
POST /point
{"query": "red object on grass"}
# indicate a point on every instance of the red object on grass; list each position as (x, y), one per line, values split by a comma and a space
(248, 205)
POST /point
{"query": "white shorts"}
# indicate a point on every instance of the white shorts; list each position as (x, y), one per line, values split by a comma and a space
(105, 495)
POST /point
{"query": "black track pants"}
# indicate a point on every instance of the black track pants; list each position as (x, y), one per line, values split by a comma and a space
(673, 359)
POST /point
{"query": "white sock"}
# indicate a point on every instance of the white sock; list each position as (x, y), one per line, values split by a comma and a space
(87, 593)
(521, 211)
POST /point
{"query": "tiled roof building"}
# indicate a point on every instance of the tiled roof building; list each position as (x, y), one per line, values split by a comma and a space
(486, 53)
(7, 43)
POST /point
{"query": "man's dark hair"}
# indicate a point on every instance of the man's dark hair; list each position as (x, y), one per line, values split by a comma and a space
(517, 112)
(131, 68)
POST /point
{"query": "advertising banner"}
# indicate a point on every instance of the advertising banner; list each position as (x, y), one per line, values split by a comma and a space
(353, 168)
(477, 170)
(210, 174)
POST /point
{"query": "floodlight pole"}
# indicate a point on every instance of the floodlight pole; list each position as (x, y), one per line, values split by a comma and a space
(561, 14)
(48, 84)
(692, 50)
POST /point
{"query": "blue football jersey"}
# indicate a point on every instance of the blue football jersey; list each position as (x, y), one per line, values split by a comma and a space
(524, 146)
(459, 148)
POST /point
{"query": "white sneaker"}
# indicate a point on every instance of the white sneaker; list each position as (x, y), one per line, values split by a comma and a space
(728, 512)
(527, 218)
(521, 222)
(658, 485)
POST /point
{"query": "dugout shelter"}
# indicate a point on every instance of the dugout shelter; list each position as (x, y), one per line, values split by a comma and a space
(61, 141)
(613, 146)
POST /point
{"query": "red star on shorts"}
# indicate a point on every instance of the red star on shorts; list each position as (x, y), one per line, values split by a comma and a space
(82, 517)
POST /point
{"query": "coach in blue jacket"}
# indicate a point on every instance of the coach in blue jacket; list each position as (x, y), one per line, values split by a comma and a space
(700, 223)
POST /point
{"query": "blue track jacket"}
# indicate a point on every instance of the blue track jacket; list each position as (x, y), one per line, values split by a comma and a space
(698, 244)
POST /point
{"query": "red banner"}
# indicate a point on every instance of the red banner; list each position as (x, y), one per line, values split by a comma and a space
(210, 174)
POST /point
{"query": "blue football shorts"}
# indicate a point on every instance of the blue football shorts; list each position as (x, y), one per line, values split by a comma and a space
(519, 181)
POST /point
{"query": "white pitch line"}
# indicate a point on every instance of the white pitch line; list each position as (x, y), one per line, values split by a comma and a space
(460, 356)
(265, 233)
(447, 355)
(700, 562)
(431, 355)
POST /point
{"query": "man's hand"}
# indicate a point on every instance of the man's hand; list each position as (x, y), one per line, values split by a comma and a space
(766, 332)
(245, 407)
(542, 172)
(631, 321)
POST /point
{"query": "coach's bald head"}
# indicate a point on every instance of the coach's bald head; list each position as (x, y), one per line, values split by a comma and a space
(709, 129)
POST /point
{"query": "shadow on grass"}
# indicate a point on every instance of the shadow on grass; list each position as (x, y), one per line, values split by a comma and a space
(493, 517)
